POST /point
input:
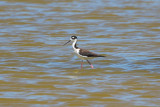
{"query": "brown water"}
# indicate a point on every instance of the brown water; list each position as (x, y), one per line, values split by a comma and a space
(37, 71)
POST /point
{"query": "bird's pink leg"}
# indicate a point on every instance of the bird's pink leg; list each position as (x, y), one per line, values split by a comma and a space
(90, 64)
(82, 64)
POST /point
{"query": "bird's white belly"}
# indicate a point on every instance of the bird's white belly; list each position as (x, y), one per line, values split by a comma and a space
(77, 53)
(80, 56)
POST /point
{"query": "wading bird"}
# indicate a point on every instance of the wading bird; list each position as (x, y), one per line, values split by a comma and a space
(82, 53)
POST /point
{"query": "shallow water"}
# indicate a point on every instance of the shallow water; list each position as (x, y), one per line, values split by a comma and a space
(37, 71)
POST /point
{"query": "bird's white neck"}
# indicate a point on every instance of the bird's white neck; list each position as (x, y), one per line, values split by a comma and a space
(74, 44)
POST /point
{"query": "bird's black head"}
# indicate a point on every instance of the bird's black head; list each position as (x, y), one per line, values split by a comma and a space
(73, 37)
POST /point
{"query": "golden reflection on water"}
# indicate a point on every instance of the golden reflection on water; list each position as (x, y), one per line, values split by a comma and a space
(36, 70)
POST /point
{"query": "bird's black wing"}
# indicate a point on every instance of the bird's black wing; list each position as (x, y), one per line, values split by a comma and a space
(87, 53)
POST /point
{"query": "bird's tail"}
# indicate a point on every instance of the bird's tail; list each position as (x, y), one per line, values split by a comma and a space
(101, 56)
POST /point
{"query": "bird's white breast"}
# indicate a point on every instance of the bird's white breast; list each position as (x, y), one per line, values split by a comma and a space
(77, 52)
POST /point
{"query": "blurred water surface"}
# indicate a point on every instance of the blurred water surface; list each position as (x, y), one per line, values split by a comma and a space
(37, 71)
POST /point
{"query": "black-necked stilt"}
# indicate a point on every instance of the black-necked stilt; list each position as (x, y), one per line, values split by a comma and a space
(82, 53)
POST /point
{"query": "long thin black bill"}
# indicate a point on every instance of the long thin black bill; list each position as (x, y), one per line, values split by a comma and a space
(67, 42)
